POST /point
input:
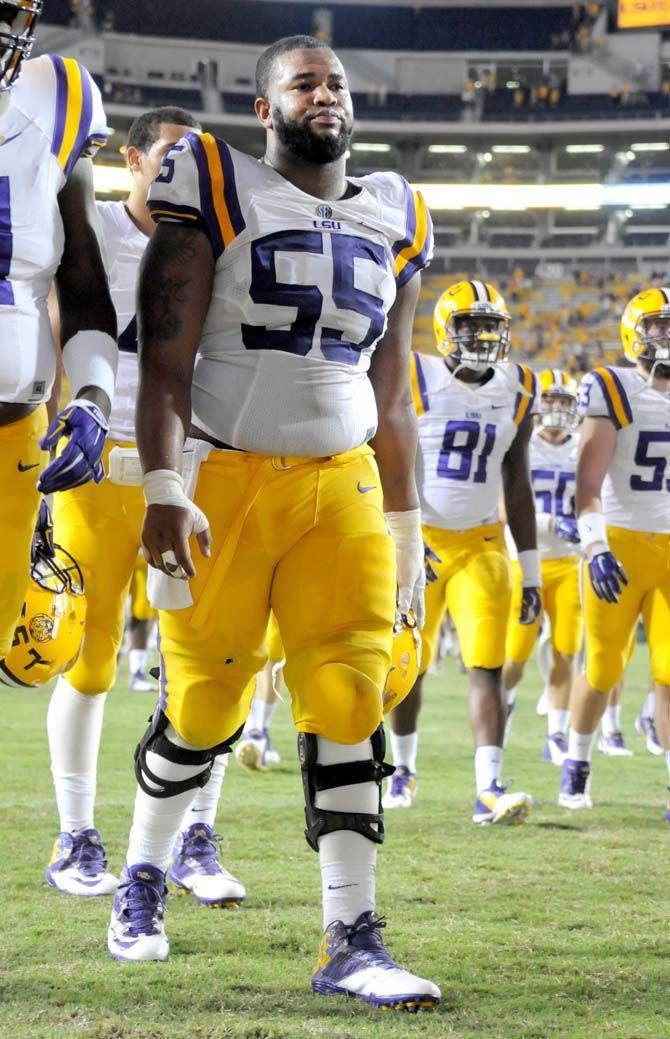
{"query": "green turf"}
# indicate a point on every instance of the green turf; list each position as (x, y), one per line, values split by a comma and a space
(556, 929)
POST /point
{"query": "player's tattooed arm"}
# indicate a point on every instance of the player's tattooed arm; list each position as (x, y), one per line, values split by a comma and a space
(396, 437)
(82, 289)
(518, 489)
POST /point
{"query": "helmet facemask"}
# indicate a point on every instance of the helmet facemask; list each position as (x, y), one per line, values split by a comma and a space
(480, 338)
(17, 27)
(558, 410)
(58, 572)
(652, 332)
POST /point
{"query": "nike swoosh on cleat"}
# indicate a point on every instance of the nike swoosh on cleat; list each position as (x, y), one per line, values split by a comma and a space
(24, 468)
(364, 490)
(338, 887)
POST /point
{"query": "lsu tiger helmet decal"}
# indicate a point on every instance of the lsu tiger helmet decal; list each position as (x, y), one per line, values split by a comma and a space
(18, 19)
(50, 633)
(405, 661)
(471, 324)
(558, 400)
(645, 328)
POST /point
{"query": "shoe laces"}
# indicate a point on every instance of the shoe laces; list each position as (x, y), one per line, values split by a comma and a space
(142, 903)
(203, 846)
(89, 855)
(365, 936)
(399, 780)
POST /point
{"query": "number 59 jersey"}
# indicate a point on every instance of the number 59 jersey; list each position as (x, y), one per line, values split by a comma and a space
(302, 290)
(464, 433)
(52, 116)
(636, 490)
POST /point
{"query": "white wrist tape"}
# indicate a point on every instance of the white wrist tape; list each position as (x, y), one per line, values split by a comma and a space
(529, 561)
(91, 358)
(166, 487)
(405, 529)
(591, 528)
(404, 526)
(543, 522)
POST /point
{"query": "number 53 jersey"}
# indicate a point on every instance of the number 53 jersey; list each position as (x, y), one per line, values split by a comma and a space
(464, 433)
(636, 490)
(302, 290)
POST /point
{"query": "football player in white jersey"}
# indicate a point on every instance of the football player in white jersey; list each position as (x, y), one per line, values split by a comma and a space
(553, 460)
(475, 420)
(282, 276)
(103, 524)
(51, 121)
(623, 516)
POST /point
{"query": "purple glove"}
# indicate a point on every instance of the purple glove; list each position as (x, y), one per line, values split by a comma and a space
(80, 462)
(531, 604)
(607, 576)
(566, 528)
(430, 557)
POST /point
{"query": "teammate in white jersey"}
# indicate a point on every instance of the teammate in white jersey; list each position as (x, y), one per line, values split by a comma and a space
(623, 510)
(553, 460)
(283, 276)
(51, 121)
(475, 420)
(103, 526)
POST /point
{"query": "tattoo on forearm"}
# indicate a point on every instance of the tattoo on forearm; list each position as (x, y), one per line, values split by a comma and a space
(163, 285)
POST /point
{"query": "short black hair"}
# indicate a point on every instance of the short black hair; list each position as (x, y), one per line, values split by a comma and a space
(283, 46)
(145, 130)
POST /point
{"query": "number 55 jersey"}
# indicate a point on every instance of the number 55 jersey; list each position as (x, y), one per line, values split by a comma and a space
(636, 504)
(465, 432)
(302, 290)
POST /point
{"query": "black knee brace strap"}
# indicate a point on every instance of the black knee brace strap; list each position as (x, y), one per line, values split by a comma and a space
(316, 778)
(156, 741)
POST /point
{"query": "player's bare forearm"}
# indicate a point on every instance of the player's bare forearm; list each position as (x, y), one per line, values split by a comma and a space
(174, 292)
(396, 437)
(596, 447)
(518, 490)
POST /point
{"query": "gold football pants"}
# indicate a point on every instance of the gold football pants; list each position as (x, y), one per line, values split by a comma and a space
(560, 601)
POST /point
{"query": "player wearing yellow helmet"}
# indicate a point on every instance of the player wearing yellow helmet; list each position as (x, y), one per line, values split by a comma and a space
(474, 412)
(623, 510)
(553, 460)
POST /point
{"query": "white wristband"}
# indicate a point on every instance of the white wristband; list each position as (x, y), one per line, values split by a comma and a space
(543, 522)
(529, 561)
(591, 528)
(164, 487)
(91, 358)
(404, 526)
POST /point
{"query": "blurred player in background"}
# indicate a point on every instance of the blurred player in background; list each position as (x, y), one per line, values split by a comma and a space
(51, 122)
(553, 460)
(623, 510)
(254, 750)
(475, 421)
(139, 628)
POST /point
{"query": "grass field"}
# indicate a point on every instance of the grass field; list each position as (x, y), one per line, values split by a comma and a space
(556, 929)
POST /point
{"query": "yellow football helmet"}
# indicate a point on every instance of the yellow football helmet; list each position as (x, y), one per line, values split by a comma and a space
(471, 324)
(50, 633)
(637, 344)
(405, 662)
(558, 400)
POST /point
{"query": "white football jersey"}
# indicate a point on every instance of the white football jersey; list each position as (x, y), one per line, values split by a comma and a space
(552, 469)
(636, 490)
(302, 290)
(464, 433)
(125, 245)
(51, 117)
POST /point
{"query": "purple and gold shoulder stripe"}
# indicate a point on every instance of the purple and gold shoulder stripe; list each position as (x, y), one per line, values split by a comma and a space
(615, 396)
(219, 204)
(525, 398)
(413, 251)
(418, 383)
(73, 134)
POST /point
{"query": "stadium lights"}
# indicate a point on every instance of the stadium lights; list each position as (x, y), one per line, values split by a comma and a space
(512, 84)
(650, 146)
(542, 196)
(364, 146)
(584, 149)
(447, 149)
(511, 149)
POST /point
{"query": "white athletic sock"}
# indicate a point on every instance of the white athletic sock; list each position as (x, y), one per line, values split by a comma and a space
(74, 725)
(579, 745)
(269, 713)
(511, 696)
(649, 708)
(203, 809)
(347, 858)
(158, 820)
(557, 721)
(256, 716)
(137, 660)
(667, 761)
(404, 749)
(611, 721)
(488, 767)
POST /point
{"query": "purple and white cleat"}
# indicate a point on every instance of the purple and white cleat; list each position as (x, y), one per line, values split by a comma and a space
(136, 930)
(495, 805)
(614, 746)
(401, 789)
(353, 961)
(78, 865)
(555, 748)
(646, 727)
(255, 751)
(196, 869)
(575, 783)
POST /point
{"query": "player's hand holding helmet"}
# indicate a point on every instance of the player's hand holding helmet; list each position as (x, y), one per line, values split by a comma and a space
(80, 461)
(471, 325)
(558, 400)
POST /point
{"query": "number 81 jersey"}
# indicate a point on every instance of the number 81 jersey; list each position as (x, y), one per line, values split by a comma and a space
(464, 433)
(636, 490)
(302, 290)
